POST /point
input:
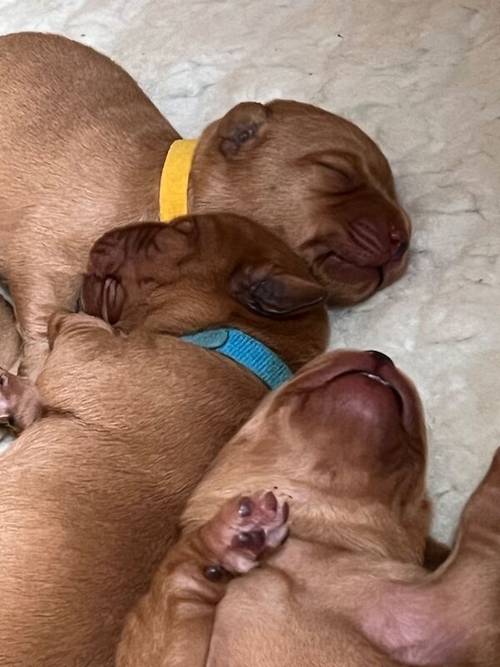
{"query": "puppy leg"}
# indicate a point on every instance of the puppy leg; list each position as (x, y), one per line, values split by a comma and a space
(173, 624)
(35, 301)
(20, 403)
(450, 617)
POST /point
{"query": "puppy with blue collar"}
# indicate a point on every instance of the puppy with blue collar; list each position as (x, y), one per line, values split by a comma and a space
(185, 329)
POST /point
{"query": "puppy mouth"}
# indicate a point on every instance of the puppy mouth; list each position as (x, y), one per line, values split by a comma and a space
(332, 262)
(378, 379)
(332, 268)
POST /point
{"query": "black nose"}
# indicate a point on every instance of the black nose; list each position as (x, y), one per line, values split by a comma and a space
(381, 357)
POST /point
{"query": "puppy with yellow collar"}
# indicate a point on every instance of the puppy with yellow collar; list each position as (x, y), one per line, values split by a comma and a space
(84, 150)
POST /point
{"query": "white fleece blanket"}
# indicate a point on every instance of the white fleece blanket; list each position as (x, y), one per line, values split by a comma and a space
(422, 79)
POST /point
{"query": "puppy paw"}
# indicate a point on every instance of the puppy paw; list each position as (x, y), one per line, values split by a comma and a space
(20, 404)
(242, 531)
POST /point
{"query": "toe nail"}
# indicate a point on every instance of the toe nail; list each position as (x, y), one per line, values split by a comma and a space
(286, 512)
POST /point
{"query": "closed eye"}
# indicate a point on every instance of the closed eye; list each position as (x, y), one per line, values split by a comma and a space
(339, 171)
(339, 179)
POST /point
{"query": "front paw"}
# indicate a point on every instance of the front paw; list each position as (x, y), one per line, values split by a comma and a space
(243, 531)
(20, 404)
(55, 325)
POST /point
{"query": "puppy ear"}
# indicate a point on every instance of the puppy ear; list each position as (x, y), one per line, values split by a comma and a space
(127, 263)
(242, 128)
(269, 291)
(113, 252)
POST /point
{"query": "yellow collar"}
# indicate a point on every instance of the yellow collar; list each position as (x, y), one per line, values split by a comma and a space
(175, 179)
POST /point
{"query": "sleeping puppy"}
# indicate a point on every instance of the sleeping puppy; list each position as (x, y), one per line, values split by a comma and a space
(83, 151)
(343, 446)
(130, 415)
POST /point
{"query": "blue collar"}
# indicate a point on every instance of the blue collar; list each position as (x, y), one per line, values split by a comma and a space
(245, 350)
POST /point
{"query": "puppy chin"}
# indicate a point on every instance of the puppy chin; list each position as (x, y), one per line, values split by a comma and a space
(350, 284)
(394, 269)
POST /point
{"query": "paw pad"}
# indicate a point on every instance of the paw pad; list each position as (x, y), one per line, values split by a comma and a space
(243, 530)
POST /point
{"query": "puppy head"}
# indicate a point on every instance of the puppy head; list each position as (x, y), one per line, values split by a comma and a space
(202, 271)
(315, 178)
(348, 434)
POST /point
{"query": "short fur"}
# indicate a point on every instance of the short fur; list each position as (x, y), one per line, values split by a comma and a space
(82, 152)
(344, 444)
(91, 493)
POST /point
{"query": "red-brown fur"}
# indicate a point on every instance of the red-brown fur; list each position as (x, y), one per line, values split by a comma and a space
(82, 152)
(347, 451)
(90, 494)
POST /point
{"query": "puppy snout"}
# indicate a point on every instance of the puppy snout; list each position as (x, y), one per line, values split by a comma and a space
(375, 242)
(368, 236)
(381, 358)
(399, 243)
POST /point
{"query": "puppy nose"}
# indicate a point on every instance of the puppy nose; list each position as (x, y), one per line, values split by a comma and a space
(398, 243)
(381, 357)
